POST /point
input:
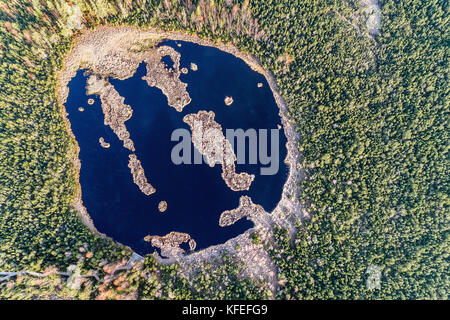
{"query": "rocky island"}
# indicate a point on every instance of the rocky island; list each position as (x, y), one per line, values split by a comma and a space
(139, 176)
(162, 206)
(194, 66)
(103, 143)
(168, 80)
(228, 101)
(208, 138)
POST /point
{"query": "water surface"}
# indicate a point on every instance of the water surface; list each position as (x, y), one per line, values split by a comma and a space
(196, 194)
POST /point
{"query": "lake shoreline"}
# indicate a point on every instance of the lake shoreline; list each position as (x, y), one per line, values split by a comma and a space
(87, 52)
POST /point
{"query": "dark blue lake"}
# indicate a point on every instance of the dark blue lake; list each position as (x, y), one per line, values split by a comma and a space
(196, 194)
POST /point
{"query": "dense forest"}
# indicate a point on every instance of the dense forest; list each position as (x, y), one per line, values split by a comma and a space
(369, 102)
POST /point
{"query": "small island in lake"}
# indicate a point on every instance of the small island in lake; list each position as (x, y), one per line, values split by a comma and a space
(194, 66)
(168, 80)
(162, 206)
(228, 101)
(170, 243)
(104, 144)
(208, 138)
(139, 176)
